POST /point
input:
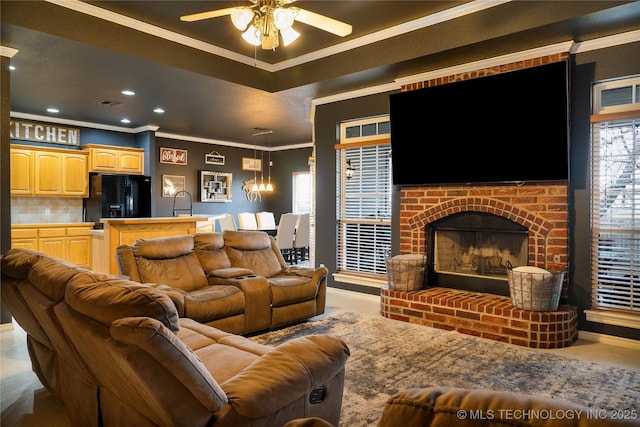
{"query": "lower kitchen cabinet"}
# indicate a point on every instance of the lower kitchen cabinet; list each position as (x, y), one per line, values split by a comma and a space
(71, 242)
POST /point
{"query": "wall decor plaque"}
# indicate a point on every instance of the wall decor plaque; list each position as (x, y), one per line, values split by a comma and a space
(175, 156)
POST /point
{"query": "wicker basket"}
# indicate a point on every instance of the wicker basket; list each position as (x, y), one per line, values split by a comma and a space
(406, 272)
(535, 289)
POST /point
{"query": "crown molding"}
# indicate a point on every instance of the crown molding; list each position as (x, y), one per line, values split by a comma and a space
(436, 18)
(48, 119)
(608, 41)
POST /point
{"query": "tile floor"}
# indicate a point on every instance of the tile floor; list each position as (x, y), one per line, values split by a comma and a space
(26, 403)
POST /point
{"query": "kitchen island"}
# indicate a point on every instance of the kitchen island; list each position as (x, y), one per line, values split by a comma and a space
(125, 231)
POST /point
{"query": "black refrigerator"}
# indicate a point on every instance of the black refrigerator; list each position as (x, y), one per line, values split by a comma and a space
(117, 196)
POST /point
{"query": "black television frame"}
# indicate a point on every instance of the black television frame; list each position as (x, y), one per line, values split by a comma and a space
(423, 154)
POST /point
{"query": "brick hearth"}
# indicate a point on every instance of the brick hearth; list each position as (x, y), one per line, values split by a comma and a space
(482, 315)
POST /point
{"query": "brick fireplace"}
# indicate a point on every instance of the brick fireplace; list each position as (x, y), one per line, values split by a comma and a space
(540, 208)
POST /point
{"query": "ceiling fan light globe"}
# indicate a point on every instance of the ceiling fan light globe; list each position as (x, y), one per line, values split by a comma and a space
(252, 36)
(283, 18)
(289, 36)
(241, 17)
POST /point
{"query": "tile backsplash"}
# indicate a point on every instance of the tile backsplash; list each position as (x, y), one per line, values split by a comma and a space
(45, 210)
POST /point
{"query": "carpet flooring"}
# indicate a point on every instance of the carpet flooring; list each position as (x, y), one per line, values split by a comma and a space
(388, 356)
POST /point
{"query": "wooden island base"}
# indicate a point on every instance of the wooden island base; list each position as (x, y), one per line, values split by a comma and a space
(125, 231)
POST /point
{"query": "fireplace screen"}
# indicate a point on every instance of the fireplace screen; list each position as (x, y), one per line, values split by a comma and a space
(477, 252)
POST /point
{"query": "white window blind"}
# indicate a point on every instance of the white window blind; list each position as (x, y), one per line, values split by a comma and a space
(615, 214)
(302, 192)
(364, 203)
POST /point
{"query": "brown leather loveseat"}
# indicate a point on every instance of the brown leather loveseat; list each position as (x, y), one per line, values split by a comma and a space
(117, 353)
(236, 281)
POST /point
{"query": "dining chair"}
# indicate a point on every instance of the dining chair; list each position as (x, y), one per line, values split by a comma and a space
(266, 221)
(301, 238)
(227, 222)
(285, 234)
(247, 221)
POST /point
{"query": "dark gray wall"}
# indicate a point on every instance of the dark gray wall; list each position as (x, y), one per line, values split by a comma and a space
(327, 120)
(279, 202)
(587, 68)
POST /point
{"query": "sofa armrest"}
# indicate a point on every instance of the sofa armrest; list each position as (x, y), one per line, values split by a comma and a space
(230, 272)
(282, 375)
(176, 296)
(307, 271)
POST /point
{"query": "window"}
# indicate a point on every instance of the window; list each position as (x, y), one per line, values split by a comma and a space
(364, 197)
(302, 191)
(615, 196)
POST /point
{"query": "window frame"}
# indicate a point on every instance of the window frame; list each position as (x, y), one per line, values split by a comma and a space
(615, 299)
(363, 242)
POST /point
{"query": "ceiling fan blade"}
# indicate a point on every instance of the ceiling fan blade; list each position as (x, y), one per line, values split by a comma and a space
(323, 22)
(207, 15)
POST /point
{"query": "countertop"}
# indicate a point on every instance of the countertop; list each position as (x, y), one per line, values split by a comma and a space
(54, 224)
(155, 220)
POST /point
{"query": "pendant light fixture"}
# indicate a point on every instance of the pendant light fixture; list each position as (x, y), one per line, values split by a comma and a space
(262, 187)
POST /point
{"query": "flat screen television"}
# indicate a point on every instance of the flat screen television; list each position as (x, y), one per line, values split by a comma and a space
(506, 128)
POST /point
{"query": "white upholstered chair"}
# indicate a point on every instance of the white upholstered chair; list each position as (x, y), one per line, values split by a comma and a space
(301, 239)
(266, 221)
(227, 222)
(247, 221)
(285, 234)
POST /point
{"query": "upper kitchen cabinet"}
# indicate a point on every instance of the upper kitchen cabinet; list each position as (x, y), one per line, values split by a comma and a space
(125, 160)
(21, 172)
(41, 171)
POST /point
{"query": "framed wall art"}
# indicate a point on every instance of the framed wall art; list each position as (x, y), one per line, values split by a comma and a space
(171, 184)
(214, 158)
(251, 164)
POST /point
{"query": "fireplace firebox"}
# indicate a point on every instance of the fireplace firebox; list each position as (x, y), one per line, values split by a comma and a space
(472, 251)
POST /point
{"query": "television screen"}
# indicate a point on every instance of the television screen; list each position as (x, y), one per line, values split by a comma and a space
(509, 127)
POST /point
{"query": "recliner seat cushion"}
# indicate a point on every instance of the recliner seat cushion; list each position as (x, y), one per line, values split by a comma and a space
(213, 302)
(291, 289)
(184, 272)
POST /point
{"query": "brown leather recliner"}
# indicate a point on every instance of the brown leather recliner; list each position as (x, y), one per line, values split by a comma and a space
(148, 367)
(205, 274)
(32, 285)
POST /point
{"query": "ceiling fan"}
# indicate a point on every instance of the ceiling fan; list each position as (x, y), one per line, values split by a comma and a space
(265, 19)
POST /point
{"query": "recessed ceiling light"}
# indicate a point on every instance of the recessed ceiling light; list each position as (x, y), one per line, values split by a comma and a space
(53, 110)
(128, 92)
(125, 120)
(158, 110)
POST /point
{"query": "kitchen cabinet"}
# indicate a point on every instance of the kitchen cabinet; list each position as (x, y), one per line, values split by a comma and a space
(215, 186)
(125, 160)
(75, 174)
(21, 171)
(71, 242)
(49, 172)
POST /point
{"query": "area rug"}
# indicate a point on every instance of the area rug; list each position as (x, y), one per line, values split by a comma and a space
(388, 356)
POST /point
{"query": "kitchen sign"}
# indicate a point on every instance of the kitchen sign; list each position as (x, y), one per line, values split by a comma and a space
(174, 156)
(41, 132)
